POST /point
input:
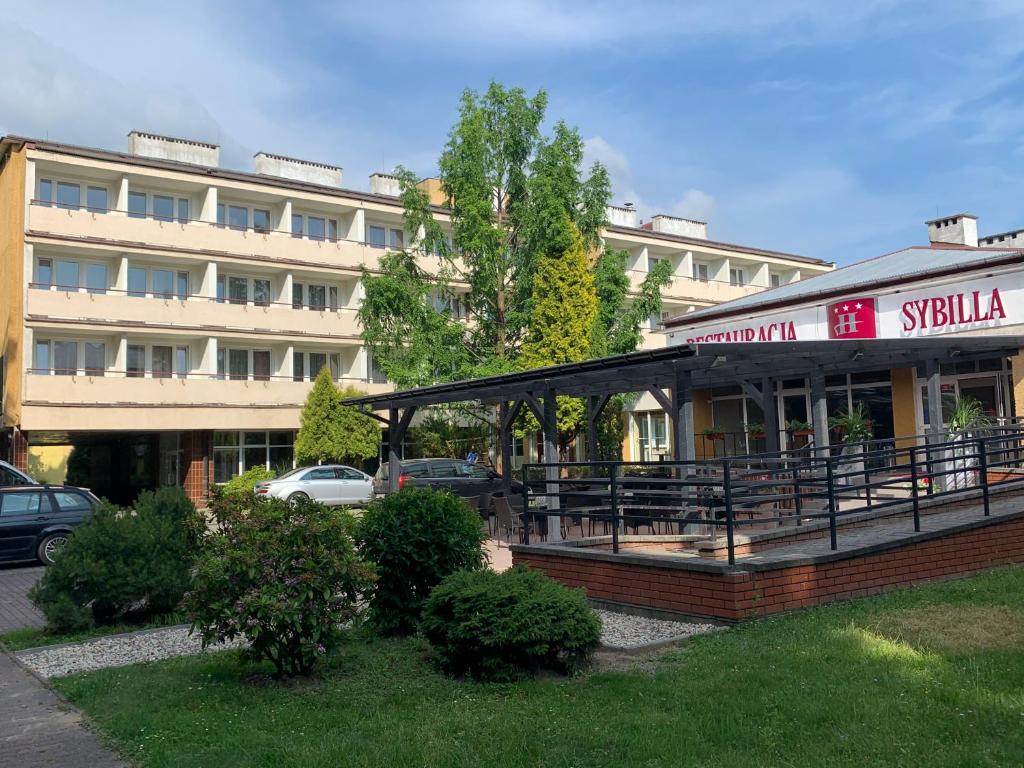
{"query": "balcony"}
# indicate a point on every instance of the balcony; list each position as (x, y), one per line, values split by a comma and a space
(703, 291)
(200, 236)
(197, 401)
(190, 313)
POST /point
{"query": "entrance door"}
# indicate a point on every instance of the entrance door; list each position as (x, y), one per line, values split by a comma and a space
(985, 391)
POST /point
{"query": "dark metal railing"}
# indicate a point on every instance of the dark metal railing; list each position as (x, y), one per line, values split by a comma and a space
(772, 490)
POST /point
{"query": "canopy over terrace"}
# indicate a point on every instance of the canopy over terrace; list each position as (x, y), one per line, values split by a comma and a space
(679, 370)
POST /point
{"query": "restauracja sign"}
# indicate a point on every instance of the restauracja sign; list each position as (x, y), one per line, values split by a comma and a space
(968, 305)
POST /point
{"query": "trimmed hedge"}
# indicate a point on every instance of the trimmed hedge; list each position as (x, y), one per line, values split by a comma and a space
(502, 627)
(416, 538)
(122, 564)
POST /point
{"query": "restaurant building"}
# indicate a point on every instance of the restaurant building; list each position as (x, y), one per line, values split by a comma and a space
(952, 286)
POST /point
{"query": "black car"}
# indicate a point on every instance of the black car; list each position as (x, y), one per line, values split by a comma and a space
(35, 520)
(461, 477)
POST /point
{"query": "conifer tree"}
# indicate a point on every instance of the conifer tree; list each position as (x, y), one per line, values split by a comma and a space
(332, 432)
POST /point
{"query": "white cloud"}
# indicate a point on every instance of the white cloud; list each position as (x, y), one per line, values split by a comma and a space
(695, 204)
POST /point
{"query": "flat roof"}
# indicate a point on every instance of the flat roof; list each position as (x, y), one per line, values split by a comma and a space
(709, 365)
(889, 269)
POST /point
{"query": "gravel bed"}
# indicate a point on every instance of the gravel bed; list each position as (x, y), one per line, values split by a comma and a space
(624, 631)
(116, 651)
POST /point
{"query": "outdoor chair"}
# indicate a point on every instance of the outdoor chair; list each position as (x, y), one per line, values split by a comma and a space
(505, 519)
(486, 507)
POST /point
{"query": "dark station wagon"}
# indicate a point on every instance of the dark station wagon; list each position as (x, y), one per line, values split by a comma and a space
(460, 477)
(36, 520)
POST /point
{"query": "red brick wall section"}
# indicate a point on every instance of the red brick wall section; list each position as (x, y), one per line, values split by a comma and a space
(19, 450)
(744, 594)
(196, 446)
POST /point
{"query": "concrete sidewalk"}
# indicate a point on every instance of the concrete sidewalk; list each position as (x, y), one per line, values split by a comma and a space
(39, 730)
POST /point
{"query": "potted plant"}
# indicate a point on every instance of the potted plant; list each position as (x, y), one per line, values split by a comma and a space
(713, 433)
(966, 420)
(755, 430)
(798, 427)
(855, 430)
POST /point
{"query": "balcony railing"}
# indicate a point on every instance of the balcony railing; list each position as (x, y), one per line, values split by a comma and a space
(149, 373)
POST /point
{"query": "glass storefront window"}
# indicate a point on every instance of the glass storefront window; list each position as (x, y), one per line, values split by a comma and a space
(237, 452)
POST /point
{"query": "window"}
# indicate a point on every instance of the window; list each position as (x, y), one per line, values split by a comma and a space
(182, 288)
(376, 374)
(297, 295)
(42, 357)
(235, 452)
(67, 274)
(261, 292)
(477, 471)
(162, 362)
(653, 437)
(376, 237)
(260, 220)
(44, 272)
(70, 501)
(315, 228)
(238, 364)
(95, 358)
(653, 262)
(321, 473)
(736, 277)
(332, 300)
(397, 239)
(238, 290)
(65, 358)
(137, 205)
(775, 279)
(226, 456)
(136, 363)
(298, 366)
(221, 215)
(654, 321)
(181, 366)
(238, 217)
(182, 210)
(296, 225)
(96, 199)
(163, 283)
(317, 362)
(332, 230)
(443, 469)
(163, 208)
(700, 272)
(317, 297)
(344, 473)
(68, 195)
(96, 278)
(45, 191)
(136, 281)
(24, 503)
(261, 364)
(335, 362)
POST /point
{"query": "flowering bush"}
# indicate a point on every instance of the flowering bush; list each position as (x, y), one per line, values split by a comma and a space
(286, 577)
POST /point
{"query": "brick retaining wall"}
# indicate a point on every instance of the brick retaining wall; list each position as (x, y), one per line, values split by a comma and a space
(709, 589)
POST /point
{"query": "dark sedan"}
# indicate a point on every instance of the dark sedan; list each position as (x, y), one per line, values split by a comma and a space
(36, 520)
(460, 477)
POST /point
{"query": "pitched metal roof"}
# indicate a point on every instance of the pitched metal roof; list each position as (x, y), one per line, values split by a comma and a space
(910, 263)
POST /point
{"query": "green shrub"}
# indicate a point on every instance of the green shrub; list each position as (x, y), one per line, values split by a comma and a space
(242, 485)
(286, 576)
(123, 565)
(415, 538)
(505, 626)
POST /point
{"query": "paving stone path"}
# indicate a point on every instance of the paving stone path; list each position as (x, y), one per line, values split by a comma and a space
(15, 609)
(39, 730)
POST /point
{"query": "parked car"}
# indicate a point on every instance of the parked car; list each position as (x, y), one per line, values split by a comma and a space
(461, 477)
(36, 520)
(11, 476)
(331, 484)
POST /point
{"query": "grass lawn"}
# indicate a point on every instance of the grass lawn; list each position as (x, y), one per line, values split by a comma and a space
(30, 637)
(927, 677)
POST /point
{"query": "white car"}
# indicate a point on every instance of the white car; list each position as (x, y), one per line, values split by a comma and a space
(330, 484)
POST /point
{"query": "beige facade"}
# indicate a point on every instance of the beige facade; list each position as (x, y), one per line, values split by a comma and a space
(156, 293)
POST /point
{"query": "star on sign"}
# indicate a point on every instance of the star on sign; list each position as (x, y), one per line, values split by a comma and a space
(846, 307)
(859, 305)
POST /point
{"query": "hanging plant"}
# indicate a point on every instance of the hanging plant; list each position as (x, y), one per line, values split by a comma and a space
(755, 430)
(713, 433)
(798, 427)
(854, 425)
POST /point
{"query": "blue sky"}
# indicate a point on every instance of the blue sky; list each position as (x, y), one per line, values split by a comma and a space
(826, 129)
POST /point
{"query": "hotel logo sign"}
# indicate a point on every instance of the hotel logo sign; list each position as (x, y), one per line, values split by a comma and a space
(852, 319)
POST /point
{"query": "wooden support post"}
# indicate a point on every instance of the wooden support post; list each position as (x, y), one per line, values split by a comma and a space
(771, 415)
(681, 415)
(550, 427)
(397, 427)
(819, 413)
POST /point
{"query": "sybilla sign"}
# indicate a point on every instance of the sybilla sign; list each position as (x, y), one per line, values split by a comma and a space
(918, 311)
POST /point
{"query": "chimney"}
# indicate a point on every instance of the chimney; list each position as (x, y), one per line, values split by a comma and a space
(297, 170)
(623, 215)
(384, 184)
(170, 148)
(673, 225)
(958, 229)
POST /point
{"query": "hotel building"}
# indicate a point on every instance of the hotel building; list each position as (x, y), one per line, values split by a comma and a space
(162, 317)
